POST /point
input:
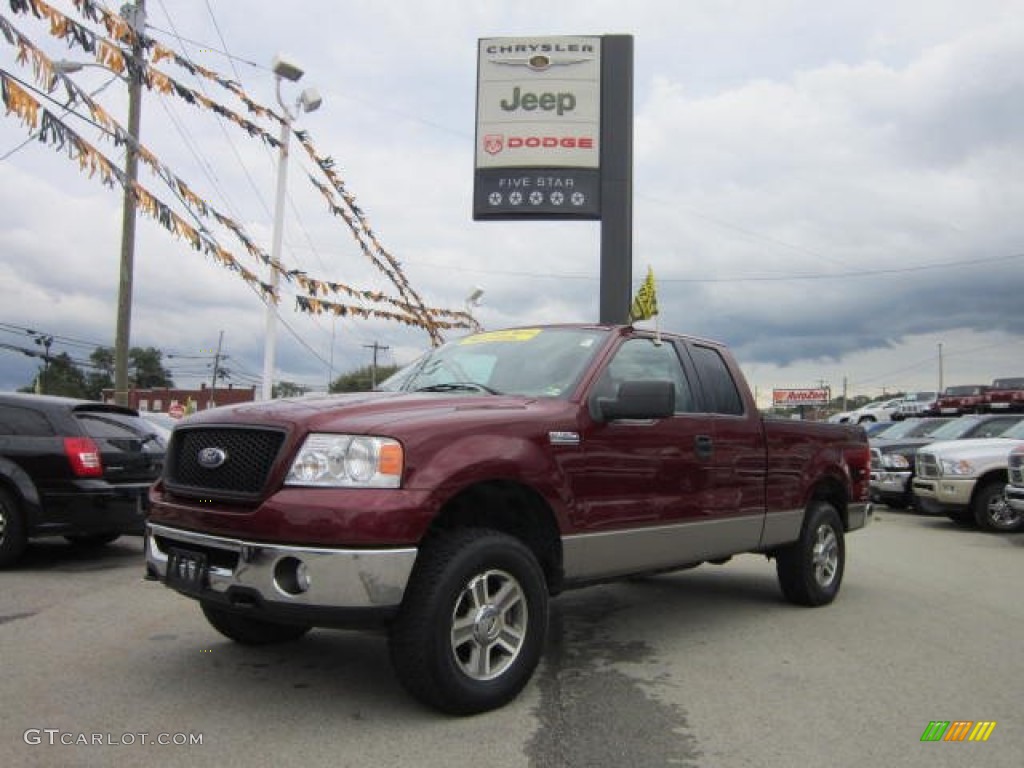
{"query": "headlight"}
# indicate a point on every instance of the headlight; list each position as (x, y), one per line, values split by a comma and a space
(895, 461)
(347, 461)
(960, 467)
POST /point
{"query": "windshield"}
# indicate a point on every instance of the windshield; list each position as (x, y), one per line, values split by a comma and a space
(914, 428)
(1016, 431)
(957, 428)
(961, 391)
(545, 362)
(1017, 383)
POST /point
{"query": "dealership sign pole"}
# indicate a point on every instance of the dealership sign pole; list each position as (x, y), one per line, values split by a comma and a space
(554, 140)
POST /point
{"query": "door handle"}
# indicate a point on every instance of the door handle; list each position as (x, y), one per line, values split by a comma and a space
(703, 446)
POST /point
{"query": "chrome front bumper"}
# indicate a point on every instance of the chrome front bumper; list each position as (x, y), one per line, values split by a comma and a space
(890, 481)
(336, 578)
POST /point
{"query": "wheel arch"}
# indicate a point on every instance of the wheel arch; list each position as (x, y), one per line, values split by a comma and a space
(17, 482)
(832, 490)
(512, 508)
(998, 475)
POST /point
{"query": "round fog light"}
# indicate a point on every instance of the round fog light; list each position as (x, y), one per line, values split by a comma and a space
(291, 576)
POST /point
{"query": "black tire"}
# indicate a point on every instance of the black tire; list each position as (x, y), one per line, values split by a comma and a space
(455, 587)
(12, 530)
(992, 513)
(811, 570)
(92, 540)
(866, 420)
(248, 630)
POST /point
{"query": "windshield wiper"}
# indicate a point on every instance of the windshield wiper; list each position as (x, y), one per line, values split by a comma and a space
(454, 386)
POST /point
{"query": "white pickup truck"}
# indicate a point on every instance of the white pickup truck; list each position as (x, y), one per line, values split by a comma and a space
(965, 480)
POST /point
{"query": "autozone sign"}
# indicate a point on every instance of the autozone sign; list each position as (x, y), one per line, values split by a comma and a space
(784, 398)
(538, 102)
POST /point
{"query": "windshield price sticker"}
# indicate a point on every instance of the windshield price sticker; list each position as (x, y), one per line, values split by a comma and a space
(519, 334)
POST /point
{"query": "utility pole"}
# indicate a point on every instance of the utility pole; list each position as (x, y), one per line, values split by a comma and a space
(216, 371)
(940, 368)
(373, 370)
(136, 17)
(45, 341)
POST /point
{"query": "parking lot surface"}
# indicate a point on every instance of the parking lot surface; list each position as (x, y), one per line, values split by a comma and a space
(707, 667)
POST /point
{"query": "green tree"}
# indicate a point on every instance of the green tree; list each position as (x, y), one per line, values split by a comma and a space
(62, 377)
(102, 374)
(147, 365)
(361, 380)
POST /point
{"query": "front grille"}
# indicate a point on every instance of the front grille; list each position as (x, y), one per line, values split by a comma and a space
(250, 454)
(927, 465)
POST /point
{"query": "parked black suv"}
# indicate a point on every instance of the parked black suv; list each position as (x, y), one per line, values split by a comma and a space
(72, 468)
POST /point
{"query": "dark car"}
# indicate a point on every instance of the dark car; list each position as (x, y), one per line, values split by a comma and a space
(894, 453)
(72, 468)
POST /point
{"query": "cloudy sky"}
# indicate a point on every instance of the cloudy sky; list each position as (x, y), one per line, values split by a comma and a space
(835, 189)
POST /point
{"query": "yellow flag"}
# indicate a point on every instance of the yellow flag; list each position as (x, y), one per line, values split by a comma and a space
(645, 304)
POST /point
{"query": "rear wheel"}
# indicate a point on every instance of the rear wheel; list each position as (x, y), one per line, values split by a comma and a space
(811, 570)
(248, 630)
(12, 530)
(992, 513)
(473, 622)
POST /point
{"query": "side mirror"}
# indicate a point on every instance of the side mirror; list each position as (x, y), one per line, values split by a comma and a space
(638, 400)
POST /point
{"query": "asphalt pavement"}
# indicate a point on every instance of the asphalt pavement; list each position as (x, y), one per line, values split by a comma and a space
(703, 668)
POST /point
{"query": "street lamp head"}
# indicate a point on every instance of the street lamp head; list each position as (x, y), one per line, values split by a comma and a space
(473, 299)
(289, 70)
(310, 100)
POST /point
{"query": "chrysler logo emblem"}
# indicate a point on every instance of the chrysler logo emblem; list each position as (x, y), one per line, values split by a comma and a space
(211, 458)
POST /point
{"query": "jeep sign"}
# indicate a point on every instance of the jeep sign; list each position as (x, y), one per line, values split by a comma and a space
(538, 128)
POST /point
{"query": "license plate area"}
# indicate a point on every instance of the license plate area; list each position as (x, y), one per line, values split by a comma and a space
(187, 571)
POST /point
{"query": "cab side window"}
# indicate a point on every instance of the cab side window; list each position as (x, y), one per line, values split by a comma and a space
(643, 360)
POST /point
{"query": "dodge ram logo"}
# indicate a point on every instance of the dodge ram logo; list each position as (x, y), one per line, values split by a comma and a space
(211, 458)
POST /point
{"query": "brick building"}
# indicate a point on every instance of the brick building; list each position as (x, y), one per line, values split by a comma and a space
(160, 399)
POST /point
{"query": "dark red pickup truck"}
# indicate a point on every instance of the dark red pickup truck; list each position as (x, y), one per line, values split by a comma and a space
(494, 472)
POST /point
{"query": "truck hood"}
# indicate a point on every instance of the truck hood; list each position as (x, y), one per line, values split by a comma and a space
(988, 448)
(903, 445)
(386, 413)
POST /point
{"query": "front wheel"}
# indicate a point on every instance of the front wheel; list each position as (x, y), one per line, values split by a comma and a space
(472, 624)
(811, 569)
(248, 630)
(991, 511)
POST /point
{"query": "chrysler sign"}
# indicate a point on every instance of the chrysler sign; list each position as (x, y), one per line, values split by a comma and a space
(538, 127)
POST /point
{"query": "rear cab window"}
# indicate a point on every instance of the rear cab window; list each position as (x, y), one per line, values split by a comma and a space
(720, 390)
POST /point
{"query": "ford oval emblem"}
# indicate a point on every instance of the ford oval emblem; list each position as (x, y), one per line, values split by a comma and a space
(211, 458)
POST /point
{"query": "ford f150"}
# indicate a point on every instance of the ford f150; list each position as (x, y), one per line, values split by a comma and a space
(491, 474)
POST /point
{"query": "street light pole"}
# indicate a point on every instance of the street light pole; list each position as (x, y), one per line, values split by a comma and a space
(270, 342)
(308, 101)
(136, 17)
